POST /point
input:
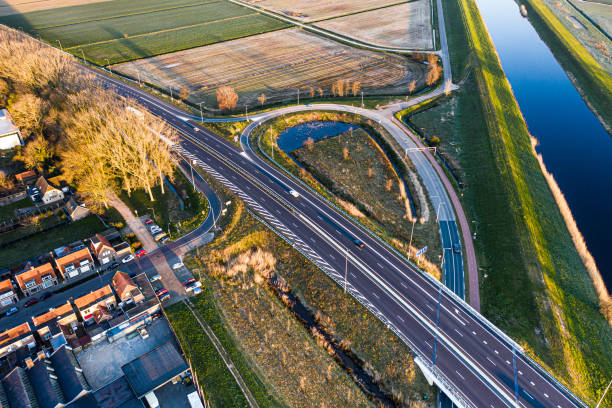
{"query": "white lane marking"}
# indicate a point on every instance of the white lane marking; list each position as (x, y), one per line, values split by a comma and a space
(429, 306)
(532, 384)
(507, 362)
(459, 333)
(404, 285)
(332, 257)
(379, 265)
(375, 295)
(528, 394)
(429, 345)
(546, 395)
(462, 377)
(520, 372)
(473, 332)
(491, 361)
(484, 341)
(399, 317)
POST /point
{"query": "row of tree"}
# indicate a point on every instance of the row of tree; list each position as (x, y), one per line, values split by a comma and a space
(72, 125)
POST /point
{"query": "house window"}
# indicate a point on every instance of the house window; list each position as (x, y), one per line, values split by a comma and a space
(31, 284)
(47, 277)
(47, 284)
(84, 262)
(69, 268)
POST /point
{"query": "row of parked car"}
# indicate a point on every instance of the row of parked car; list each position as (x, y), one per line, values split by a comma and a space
(157, 232)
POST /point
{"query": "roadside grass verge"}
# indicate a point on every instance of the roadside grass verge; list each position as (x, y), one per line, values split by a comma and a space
(458, 46)
(37, 245)
(426, 233)
(388, 360)
(590, 78)
(220, 387)
(273, 348)
(534, 285)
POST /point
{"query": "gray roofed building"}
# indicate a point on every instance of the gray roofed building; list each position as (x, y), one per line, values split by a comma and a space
(18, 390)
(75, 210)
(44, 389)
(64, 366)
(9, 132)
(117, 394)
(154, 369)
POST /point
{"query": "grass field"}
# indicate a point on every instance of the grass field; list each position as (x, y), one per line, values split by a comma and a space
(120, 31)
(311, 10)
(406, 25)
(8, 7)
(7, 212)
(600, 13)
(544, 298)
(39, 244)
(276, 64)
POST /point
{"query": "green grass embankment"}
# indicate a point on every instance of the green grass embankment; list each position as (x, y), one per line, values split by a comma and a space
(591, 79)
(536, 287)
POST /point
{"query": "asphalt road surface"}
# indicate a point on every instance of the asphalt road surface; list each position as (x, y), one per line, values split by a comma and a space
(478, 361)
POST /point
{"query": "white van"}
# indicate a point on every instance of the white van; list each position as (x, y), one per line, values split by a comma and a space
(194, 400)
(151, 400)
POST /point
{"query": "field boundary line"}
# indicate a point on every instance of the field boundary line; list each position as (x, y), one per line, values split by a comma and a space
(163, 31)
(137, 13)
(224, 356)
(351, 13)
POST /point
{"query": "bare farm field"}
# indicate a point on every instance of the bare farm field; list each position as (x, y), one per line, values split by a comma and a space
(406, 25)
(277, 64)
(8, 7)
(312, 10)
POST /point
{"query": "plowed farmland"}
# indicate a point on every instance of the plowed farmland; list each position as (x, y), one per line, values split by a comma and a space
(277, 64)
(122, 30)
(312, 10)
(406, 25)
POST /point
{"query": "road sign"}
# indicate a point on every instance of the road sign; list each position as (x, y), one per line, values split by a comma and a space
(421, 251)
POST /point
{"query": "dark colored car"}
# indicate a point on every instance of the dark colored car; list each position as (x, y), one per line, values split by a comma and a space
(30, 302)
(114, 265)
(161, 292)
(149, 222)
(457, 248)
(358, 243)
(189, 281)
(45, 296)
(12, 311)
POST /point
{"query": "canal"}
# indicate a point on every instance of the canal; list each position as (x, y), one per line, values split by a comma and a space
(575, 146)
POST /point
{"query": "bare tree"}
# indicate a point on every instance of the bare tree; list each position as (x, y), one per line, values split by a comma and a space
(312, 92)
(447, 87)
(262, 99)
(320, 90)
(227, 98)
(434, 70)
(345, 153)
(356, 87)
(389, 185)
(27, 110)
(184, 93)
(412, 87)
(309, 143)
(370, 172)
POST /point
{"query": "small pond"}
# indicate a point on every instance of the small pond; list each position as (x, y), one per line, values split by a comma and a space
(294, 137)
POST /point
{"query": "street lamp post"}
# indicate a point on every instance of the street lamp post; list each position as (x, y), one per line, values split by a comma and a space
(201, 114)
(153, 210)
(108, 65)
(272, 144)
(411, 233)
(60, 44)
(298, 97)
(345, 268)
(362, 99)
(191, 163)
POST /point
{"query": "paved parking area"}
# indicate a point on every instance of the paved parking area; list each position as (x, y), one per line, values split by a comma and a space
(102, 363)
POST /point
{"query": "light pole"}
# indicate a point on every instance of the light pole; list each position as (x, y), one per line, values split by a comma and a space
(153, 210)
(411, 232)
(83, 53)
(108, 65)
(298, 97)
(362, 99)
(138, 73)
(171, 96)
(191, 163)
(201, 114)
(604, 394)
(60, 44)
(345, 268)
(272, 143)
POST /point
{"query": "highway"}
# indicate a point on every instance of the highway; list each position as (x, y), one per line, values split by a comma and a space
(466, 353)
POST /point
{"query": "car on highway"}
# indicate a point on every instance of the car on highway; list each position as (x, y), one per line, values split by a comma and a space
(140, 253)
(149, 221)
(45, 296)
(177, 265)
(30, 302)
(127, 259)
(358, 243)
(189, 281)
(294, 193)
(155, 278)
(457, 248)
(12, 311)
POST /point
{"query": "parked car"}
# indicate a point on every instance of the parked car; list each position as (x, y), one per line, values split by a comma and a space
(114, 265)
(177, 265)
(166, 239)
(161, 292)
(193, 286)
(140, 253)
(197, 290)
(46, 296)
(30, 302)
(127, 259)
(12, 310)
(155, 278)
(159, 235)
(189, 281)
(154, 229)
(165, 297)
(149, 221)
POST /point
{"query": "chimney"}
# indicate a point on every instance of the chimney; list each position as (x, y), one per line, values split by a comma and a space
(29, 362)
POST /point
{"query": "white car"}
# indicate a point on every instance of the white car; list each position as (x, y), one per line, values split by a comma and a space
(155, 229)
(155, 278)
(127, 259)
(177, 265)
(294, 193)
